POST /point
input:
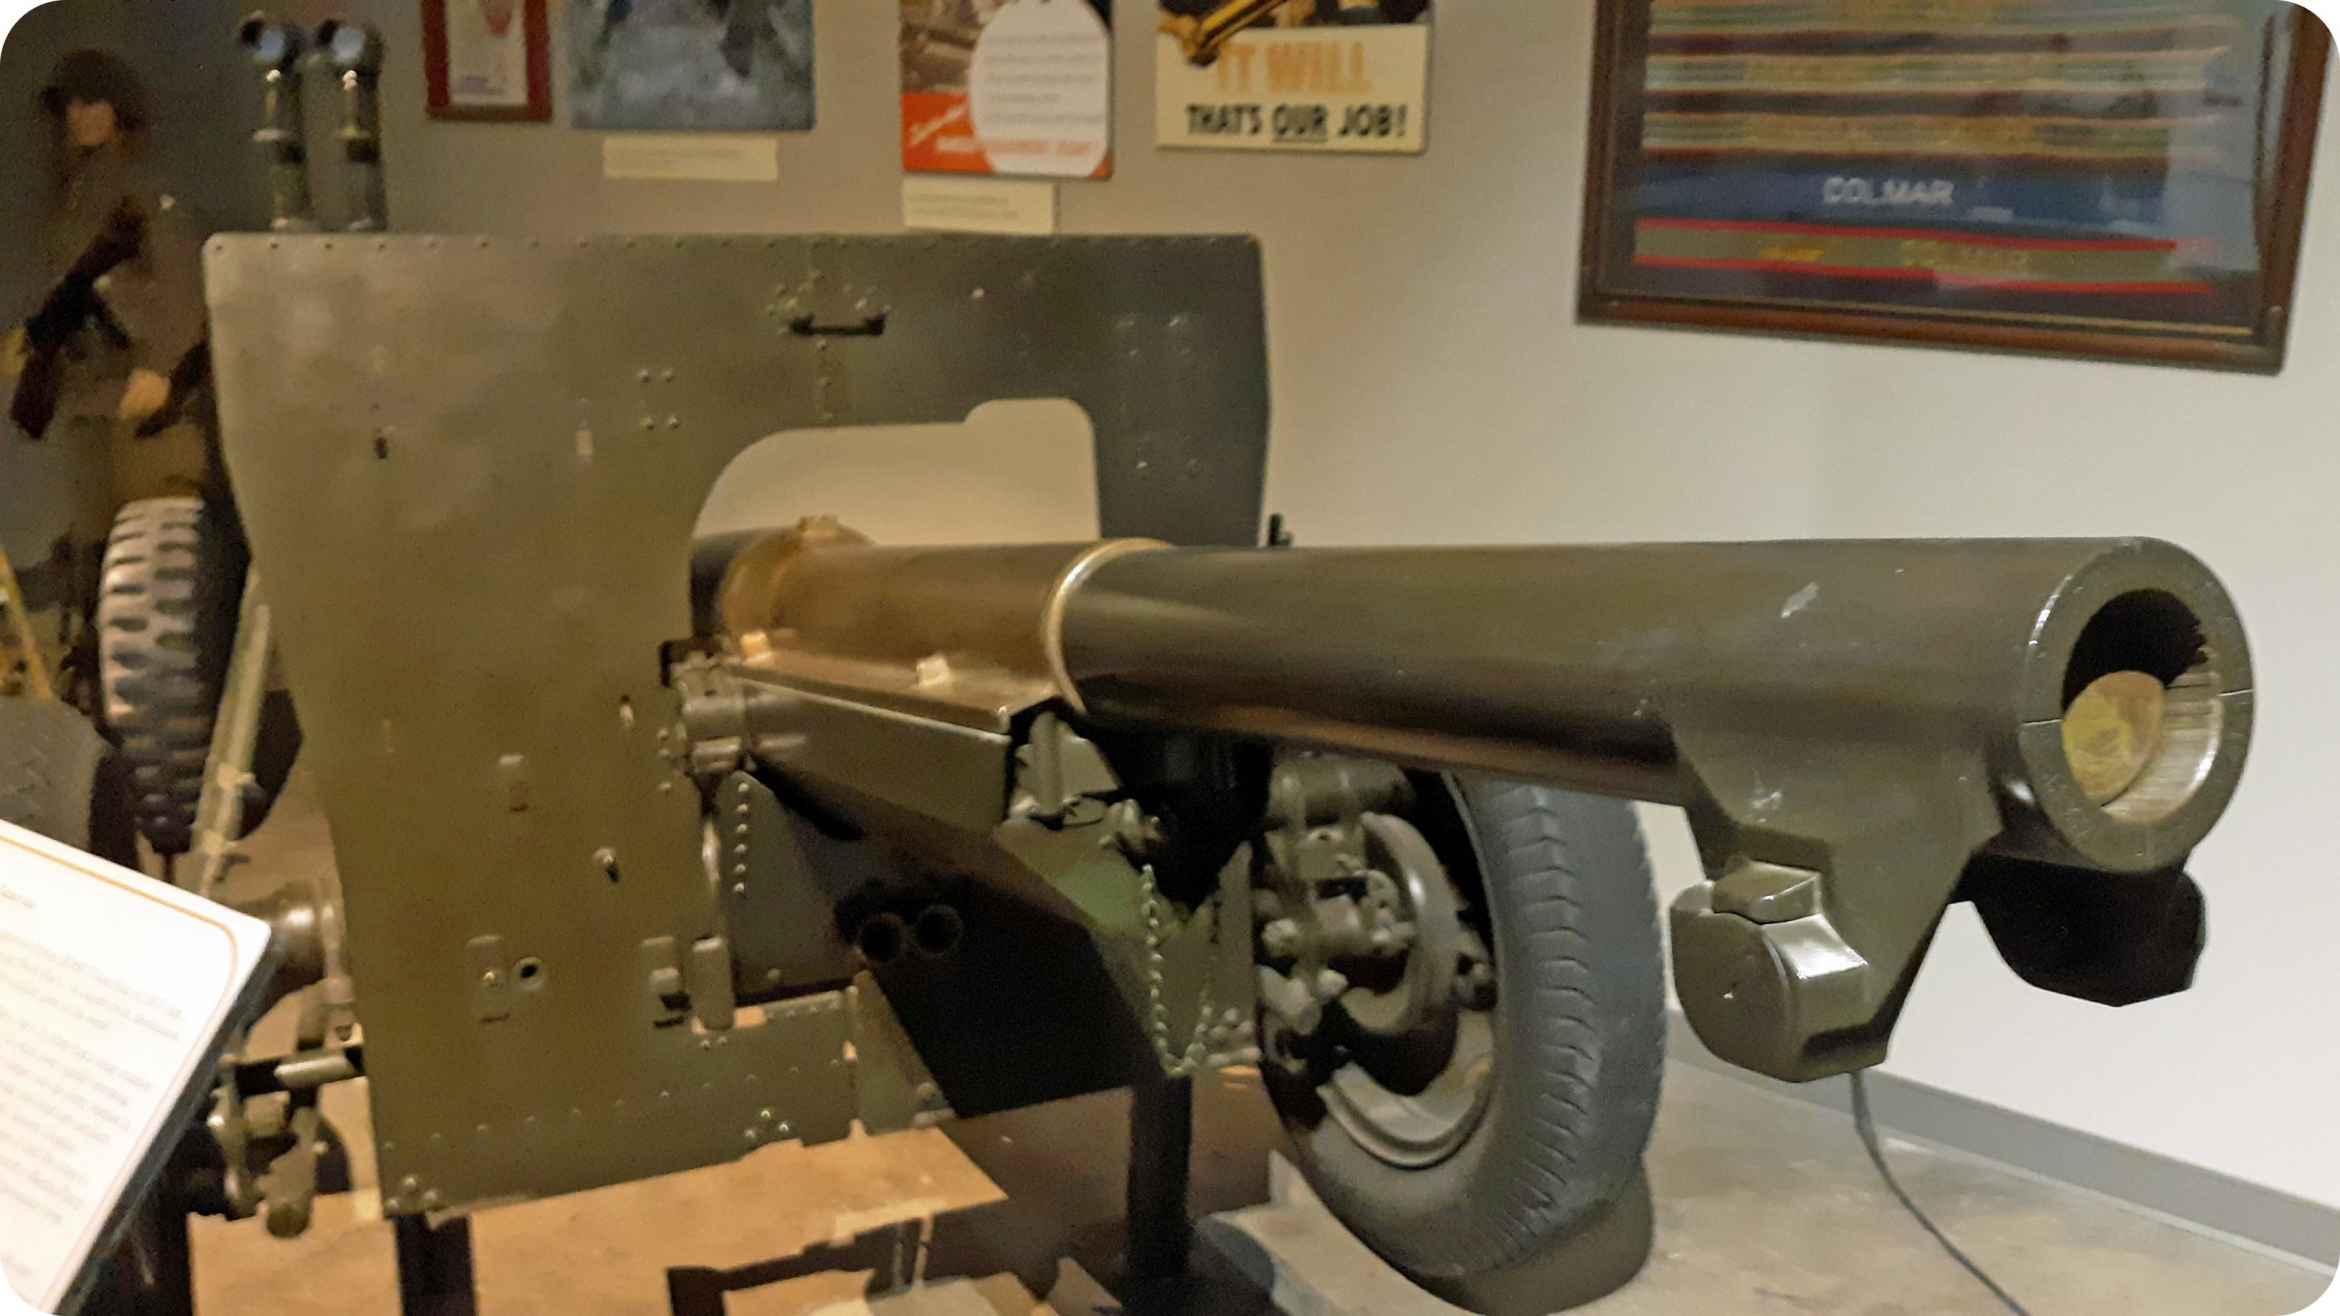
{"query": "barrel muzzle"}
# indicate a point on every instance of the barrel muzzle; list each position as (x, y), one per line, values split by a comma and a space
(2130, 721)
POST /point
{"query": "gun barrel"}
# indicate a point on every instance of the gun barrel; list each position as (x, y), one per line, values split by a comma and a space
(1598, 667)
(2103, 686)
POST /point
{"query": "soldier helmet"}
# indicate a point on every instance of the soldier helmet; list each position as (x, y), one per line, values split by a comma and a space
(90, 76)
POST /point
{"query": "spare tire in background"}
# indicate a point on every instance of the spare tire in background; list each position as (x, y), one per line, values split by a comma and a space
(166, 621)
(58, 777)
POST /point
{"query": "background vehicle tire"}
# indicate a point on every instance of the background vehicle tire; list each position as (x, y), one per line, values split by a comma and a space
(1563, 886)
(166, 620)
(59, 778)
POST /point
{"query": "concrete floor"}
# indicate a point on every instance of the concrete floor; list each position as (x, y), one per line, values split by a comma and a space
(1768, 1205)
(1765, 1205)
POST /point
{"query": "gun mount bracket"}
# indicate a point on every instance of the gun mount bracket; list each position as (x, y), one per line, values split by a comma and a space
(1828, 886)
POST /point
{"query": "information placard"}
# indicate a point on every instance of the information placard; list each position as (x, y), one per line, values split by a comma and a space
(980, 205)
(117, 993)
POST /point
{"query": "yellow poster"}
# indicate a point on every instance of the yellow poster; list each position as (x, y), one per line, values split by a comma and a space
(1293, 75)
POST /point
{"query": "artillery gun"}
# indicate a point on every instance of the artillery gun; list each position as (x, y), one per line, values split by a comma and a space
(657, 849)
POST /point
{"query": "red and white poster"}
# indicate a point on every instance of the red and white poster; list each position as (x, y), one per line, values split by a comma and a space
(487, 59)
(1008, 87)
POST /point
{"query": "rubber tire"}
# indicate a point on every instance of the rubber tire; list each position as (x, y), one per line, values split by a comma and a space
(1580, 992)
(166, 622)
(59, 778)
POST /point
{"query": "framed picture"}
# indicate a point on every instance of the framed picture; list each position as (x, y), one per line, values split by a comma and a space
(691, 65)
(487, 59)
(2120, 179)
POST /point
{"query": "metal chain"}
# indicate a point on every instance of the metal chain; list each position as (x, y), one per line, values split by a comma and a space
(1175, 1063)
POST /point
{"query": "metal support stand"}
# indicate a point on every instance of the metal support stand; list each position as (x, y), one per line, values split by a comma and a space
(276, 50)
(434, 1267)
(153, 1273)
(354, 52)
(36, 665)
(227, 766)
(1161, 1137)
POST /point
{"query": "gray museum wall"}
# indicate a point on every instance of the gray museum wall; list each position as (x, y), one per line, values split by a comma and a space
(1431, 386)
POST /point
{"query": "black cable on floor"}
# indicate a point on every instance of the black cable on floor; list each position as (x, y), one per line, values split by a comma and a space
(1866, 1126)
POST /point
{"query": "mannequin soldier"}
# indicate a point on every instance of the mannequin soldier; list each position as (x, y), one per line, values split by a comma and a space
(117, 370)
(114, 363)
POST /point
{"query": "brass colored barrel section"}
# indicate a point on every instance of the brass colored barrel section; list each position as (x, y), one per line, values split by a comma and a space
(1614, 669)
(968, 635)
(995, 605)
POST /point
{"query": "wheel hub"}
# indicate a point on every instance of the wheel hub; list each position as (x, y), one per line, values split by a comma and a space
(1413, 904)
(1412, 1130)
(1385, 1006)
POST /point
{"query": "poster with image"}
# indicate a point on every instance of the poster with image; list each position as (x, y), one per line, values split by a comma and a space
(1293, 75)
(487, 59)
(681, 65)
(1008, 87)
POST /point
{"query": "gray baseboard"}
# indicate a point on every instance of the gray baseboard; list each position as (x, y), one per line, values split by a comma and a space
(2304, 1231)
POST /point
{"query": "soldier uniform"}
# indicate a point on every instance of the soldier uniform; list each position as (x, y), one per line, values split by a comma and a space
(155, 298)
